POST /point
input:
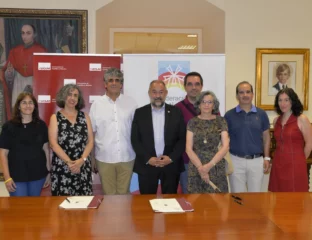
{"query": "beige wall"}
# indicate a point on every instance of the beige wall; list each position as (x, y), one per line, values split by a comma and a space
(262, 24)
(162, 14)
(249, 24)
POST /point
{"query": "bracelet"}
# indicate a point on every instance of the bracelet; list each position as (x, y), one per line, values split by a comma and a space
(8, 180)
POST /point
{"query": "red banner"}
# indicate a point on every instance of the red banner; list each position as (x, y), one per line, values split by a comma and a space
(53, 71)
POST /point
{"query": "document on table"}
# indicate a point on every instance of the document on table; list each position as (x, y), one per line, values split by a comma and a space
(79, 202)
(166, 205)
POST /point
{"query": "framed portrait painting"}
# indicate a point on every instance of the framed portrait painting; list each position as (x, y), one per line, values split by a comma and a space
(281, 68)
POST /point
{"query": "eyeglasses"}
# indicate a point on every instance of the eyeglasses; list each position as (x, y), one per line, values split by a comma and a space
(207, 102)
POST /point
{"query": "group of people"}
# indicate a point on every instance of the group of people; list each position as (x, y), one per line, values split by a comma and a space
(185, 143)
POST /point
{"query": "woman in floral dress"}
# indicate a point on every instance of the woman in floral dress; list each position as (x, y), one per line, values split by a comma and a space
(204, 134)
(71, 139)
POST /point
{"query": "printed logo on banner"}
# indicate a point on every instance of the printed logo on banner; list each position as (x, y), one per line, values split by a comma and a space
(44, 66)
(92, 98)
(173, 73)
(69, 81)
(95, 67)
(44, 99)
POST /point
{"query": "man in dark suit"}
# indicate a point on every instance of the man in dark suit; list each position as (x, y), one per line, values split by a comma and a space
(158, 139)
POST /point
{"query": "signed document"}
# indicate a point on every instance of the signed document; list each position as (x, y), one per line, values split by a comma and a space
(171, 205)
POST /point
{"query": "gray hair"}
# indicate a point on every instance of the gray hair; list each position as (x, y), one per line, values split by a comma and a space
(200, 98)
(113, 72)
(63, 93)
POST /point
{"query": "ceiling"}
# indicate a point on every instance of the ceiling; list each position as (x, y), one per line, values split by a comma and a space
(132, 42)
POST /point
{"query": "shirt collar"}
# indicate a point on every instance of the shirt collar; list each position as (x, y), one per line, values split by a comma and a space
(109, 99)
(187, 101)
(158, 110)
(253, 109)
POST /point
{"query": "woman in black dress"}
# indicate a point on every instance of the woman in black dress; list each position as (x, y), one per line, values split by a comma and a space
(71, 139)
(24, 149)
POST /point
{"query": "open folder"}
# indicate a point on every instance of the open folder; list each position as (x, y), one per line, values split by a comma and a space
(81, 202)
(173, 205)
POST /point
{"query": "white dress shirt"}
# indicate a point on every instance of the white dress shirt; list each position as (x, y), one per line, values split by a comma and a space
(158, 116)
(111, 122)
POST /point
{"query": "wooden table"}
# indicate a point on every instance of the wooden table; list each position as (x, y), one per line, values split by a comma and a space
(216, 216)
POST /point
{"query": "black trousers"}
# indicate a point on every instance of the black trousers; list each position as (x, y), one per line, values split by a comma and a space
(148, 183)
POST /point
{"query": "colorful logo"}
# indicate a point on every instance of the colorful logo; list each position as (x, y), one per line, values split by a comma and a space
(173, 73)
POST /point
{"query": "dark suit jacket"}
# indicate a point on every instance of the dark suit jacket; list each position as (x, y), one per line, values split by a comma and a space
(142, 139)
(277, 87)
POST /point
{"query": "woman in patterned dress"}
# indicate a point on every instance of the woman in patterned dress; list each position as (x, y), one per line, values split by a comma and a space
(204, 134)
(71, 139)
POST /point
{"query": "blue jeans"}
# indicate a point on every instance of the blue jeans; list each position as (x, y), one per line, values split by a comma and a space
(183, 179)
(24, 189)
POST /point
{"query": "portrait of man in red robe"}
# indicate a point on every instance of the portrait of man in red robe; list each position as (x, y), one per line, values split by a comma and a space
(17, 73)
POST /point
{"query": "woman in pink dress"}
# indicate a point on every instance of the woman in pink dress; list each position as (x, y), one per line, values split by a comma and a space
(293, 135)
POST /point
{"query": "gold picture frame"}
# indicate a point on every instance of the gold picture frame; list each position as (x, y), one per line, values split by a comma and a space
(281, 67)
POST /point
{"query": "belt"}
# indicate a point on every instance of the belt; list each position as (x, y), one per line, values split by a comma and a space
(248, 156)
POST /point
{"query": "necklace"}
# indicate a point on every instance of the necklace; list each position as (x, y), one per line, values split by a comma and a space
(205, 141)
(25, 124)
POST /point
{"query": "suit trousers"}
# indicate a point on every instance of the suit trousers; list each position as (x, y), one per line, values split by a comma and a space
(247, 175)
(148, 183)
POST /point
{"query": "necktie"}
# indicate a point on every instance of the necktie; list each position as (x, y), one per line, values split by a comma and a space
(284, 86)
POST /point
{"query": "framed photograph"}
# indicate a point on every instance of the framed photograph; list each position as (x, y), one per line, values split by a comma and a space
(278, 68)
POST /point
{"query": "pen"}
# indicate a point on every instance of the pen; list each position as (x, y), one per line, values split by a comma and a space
(67, 200)
(240, 203)
(238, 198)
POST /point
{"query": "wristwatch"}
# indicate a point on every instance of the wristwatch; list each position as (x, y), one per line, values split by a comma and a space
(85, 159)
(267, 158)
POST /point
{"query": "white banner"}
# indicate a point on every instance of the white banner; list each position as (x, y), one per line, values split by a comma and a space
(141, 69)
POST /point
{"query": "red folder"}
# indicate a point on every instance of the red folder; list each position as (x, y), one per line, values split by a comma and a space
(96, 201)
(185, 205)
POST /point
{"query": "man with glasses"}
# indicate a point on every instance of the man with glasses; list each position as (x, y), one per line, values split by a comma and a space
(111, 117)
(249, 128)
(193, 85)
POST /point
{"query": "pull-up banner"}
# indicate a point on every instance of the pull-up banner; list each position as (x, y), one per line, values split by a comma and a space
(172, 68)
(53, 71)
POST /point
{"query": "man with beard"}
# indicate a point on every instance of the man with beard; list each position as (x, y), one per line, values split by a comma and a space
(158, 139)
(193, 84)
(249, 128)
